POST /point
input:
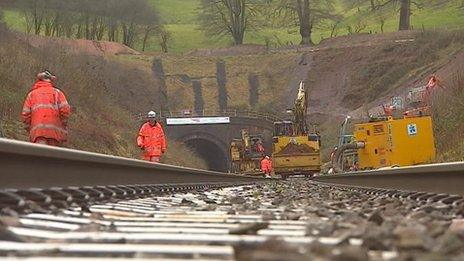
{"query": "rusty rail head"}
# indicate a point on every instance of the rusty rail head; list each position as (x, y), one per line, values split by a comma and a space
(25, 165)
(445, 178)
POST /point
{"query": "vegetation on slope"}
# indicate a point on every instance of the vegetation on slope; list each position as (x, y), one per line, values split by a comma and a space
(104, 95)
(448, 116)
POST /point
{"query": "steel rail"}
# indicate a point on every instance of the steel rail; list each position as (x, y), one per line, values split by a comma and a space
(447, 178)
(24, 165)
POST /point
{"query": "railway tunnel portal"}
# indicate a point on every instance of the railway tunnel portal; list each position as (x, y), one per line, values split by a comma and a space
(209, 133)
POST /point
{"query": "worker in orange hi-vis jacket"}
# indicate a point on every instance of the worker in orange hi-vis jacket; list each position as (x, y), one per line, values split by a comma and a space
(266, 166)
(46, 111)
(151, 139)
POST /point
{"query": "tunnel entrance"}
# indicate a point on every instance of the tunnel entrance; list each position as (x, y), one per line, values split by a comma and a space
(210, 152)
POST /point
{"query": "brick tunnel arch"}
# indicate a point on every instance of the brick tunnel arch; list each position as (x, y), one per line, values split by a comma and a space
(210, 148)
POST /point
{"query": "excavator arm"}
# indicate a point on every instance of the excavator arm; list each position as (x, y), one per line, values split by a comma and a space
(299, 110)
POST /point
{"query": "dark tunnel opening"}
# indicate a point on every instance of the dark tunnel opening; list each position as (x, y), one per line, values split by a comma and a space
(210, 152)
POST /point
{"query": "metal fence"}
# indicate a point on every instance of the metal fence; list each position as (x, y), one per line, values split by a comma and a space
(214, 113)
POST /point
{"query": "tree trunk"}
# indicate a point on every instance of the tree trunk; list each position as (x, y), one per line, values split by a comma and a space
(112, 28)
(48, 26)
(128, 31)
(100, 30)
(38, 20)
(238, 39)
(29, 22)
(164, 37)
(146, 36)
(372, 3)
(87, 28)
(304, 18)
(79, 31)
(237, 17)
(405, 15)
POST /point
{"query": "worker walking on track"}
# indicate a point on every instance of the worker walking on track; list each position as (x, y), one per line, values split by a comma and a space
(46, 111)
(266, 166)
(151, 139)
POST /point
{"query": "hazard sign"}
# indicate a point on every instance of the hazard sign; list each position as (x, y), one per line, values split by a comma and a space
(412, 129)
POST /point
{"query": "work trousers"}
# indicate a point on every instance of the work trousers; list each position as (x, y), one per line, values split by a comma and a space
(47, 141)
(152, 158)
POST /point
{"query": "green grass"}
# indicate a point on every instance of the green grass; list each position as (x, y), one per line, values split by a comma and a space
(177, 11)
(186, 34)
(15, 20)
(181, 21)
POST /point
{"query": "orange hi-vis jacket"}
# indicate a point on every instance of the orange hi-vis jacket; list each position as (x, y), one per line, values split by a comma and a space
(45, 112)
(152, 140)
(266, 165)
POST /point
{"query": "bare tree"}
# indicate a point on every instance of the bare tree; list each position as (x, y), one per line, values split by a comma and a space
(34, 13)
(382, 19)
(403, 6)
(164, 37)
(89, 19)
(306, 14)
(228, 18)
(134, 13)
(358, 27)
(334, 28)
(146, 34)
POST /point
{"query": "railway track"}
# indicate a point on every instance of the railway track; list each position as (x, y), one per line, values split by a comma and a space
(79, 205)
(291, 220)
(444, 178)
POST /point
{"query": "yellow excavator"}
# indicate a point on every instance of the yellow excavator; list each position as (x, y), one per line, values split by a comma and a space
(246, 154)
(296, 150)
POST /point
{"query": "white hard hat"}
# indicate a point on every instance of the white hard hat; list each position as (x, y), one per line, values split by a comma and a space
(151, 114)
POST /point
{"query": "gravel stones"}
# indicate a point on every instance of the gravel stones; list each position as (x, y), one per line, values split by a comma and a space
(349, 253)
(237, 200)
(457, 225)
(376, 217)
(372, 227)
(411, 237)
(451, 243)
(295, 219)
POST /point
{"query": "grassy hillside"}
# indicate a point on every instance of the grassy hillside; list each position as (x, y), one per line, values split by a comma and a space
(177, 11)
(180, 17)
(98, 91)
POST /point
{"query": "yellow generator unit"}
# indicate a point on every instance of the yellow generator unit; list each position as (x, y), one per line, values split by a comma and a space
(395, 142)
(392, 142)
